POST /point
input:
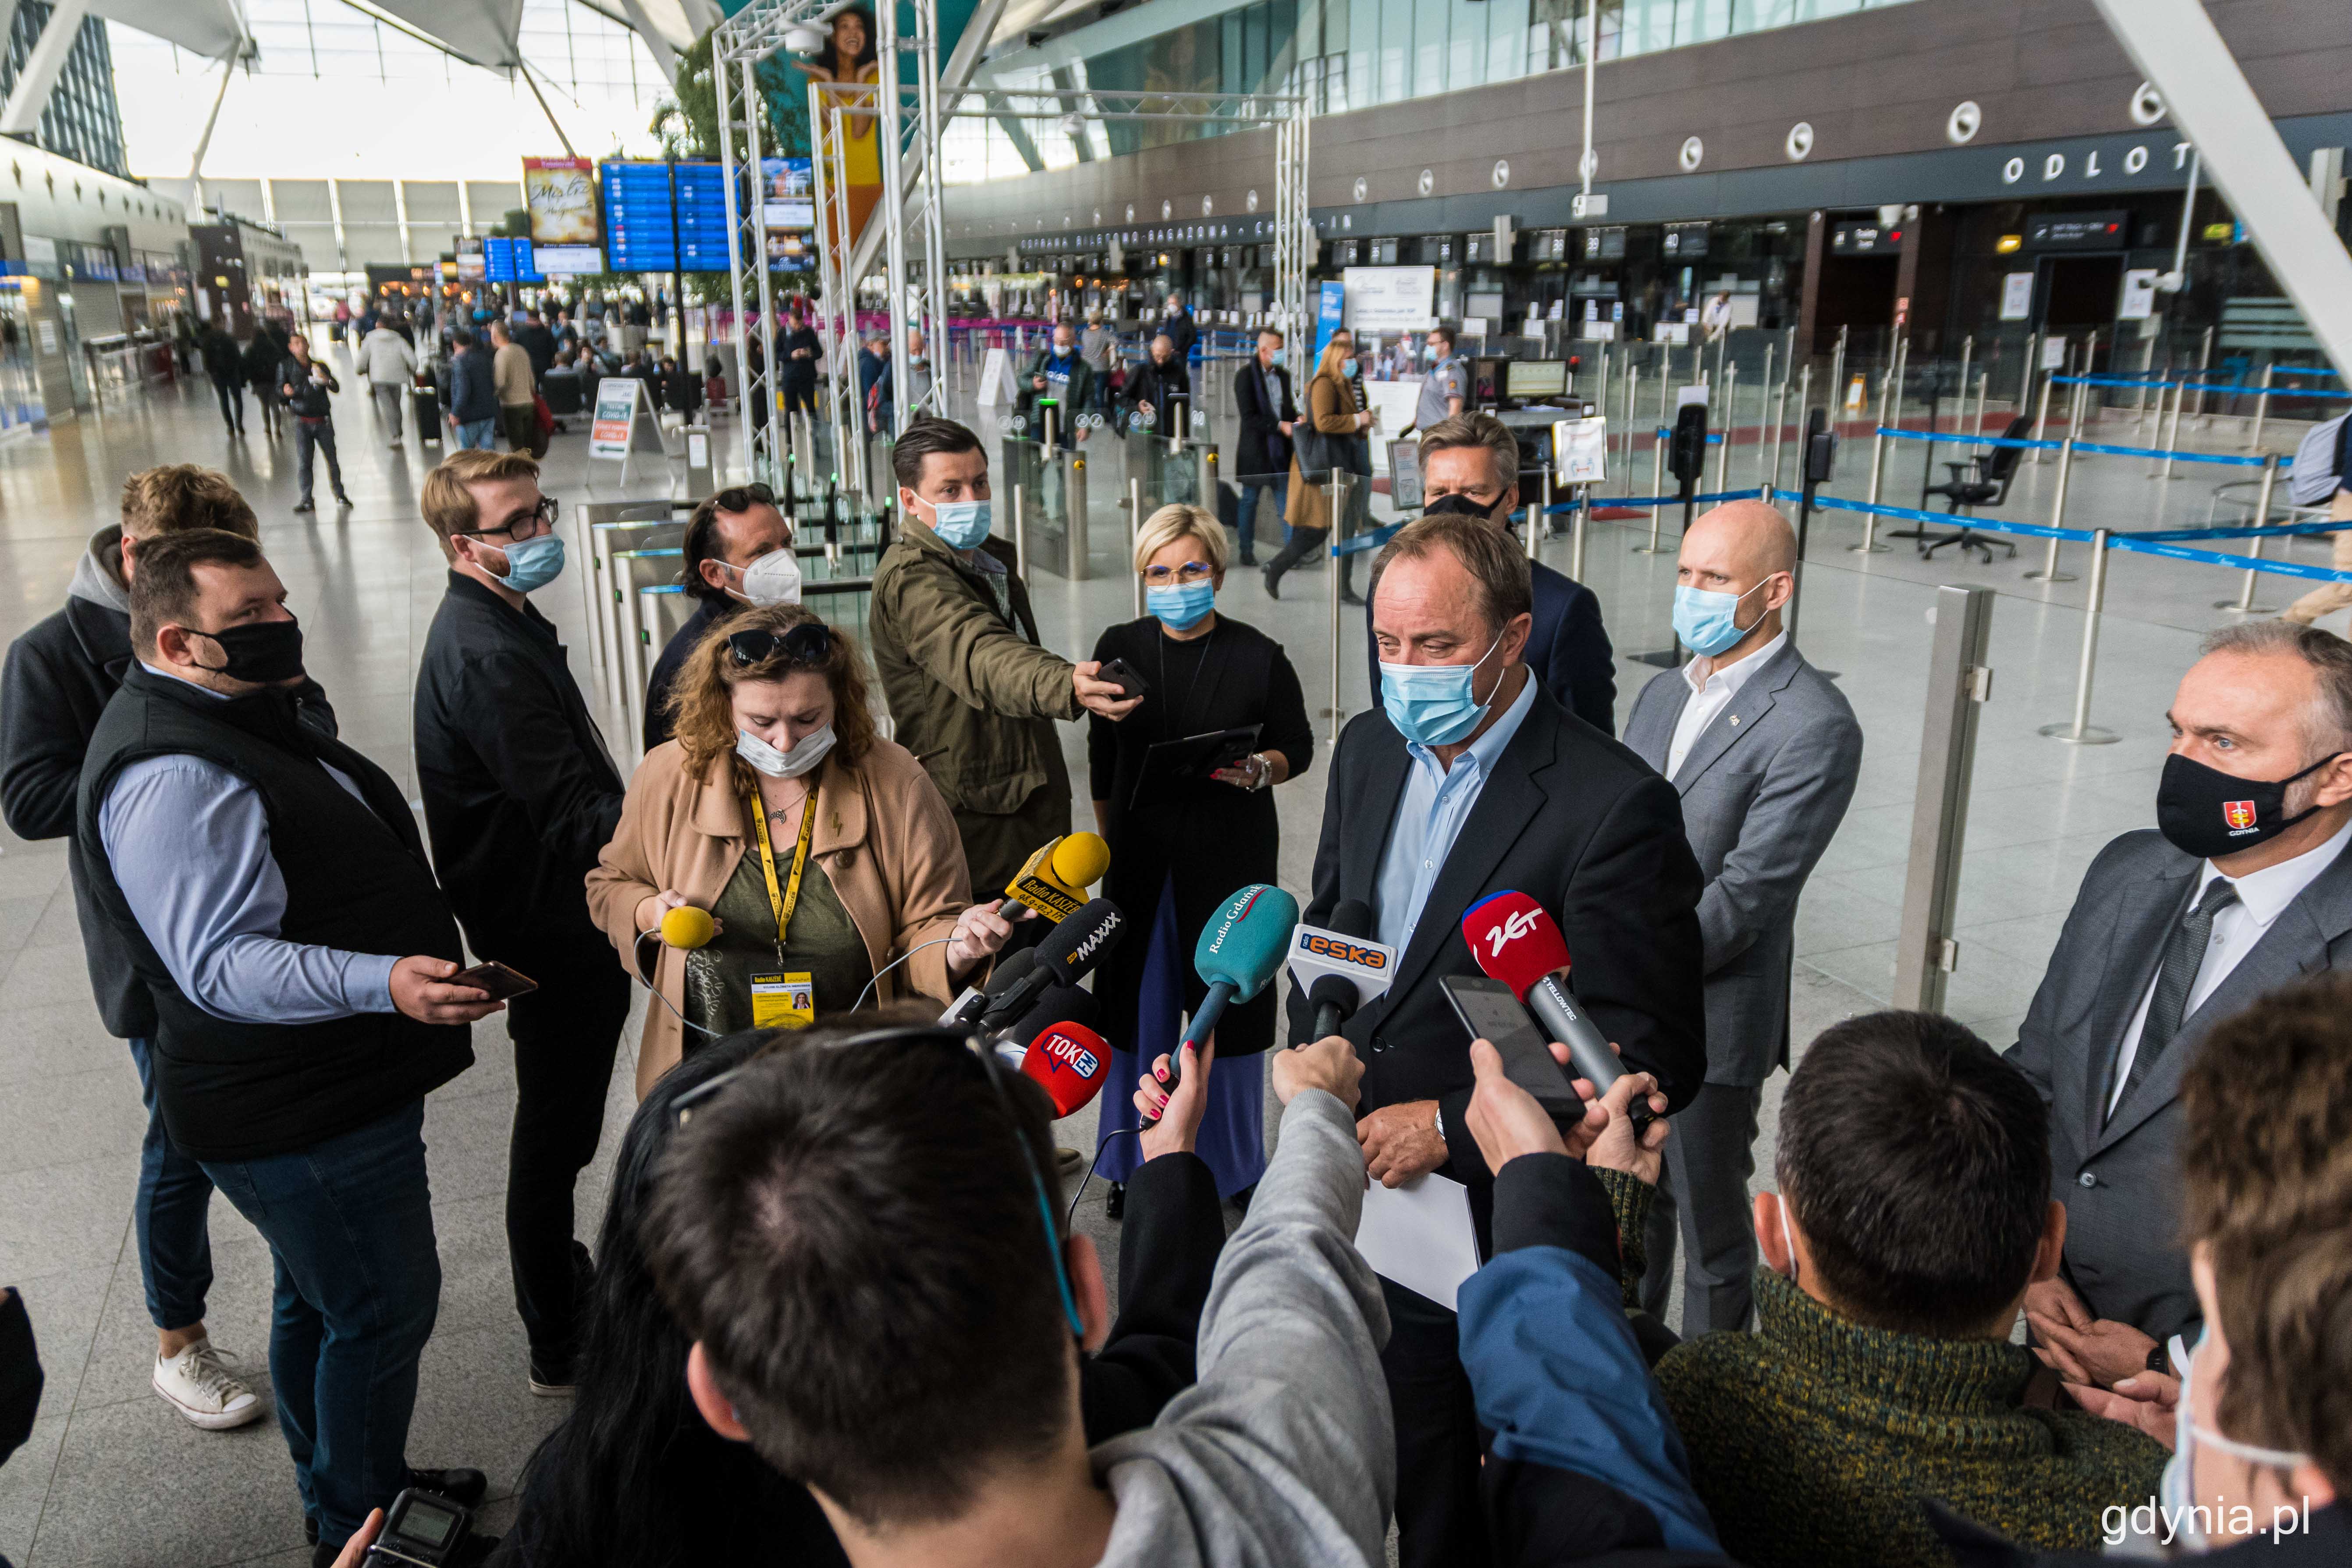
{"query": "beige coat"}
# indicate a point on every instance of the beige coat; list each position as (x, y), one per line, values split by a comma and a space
(884, 838)
(1331, 404)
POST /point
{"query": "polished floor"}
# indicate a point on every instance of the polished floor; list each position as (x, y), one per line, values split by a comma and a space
(112, 1477)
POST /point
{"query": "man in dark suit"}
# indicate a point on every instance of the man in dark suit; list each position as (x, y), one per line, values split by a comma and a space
(1261, 462)
(2244, 884)
(1470, 465)
(1763, 750)
(1470, 781)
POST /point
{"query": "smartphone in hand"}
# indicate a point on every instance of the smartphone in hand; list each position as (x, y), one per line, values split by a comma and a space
(497, 979)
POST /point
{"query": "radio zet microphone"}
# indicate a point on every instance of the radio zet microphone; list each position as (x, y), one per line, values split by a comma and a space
(1054, 879)
(1069, 950)
(1516, 942)
(1340, 966)
(1240, 949)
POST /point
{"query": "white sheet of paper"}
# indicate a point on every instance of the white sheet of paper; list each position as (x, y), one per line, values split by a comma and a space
(1420, 1236)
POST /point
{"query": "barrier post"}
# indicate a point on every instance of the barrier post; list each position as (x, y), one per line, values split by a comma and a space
(1336, 561)
(1539, 517)
(1984, 379)
(1658, 486)
(2080, 731)
(1632, 378)
(1968, 356)
(1576, 535)
(2261, 409)
(2075, 404)
(1763, 405)
(2171, 437)
(2048, 572)
(2041, 419)
(1780, 415)
(1870, 545)
(2244, 604)
(2025, 388)
(1730, 417)
(1135, 532)
(1837, 381)
(1960, 682)
(2204, 364)
(1020, 536)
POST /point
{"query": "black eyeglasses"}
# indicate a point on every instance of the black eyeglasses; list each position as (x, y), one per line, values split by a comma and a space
(810, 642)
(963, 1044)
(742, 498)
(542, 516)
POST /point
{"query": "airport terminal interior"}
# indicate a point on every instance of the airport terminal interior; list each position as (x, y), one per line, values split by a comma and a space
(1971, 248)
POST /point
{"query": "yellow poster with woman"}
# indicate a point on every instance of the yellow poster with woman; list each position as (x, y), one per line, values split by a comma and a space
(848, 60)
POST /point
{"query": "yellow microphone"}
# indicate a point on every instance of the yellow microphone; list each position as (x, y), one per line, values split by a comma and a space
(687, 926)
(1053, 880)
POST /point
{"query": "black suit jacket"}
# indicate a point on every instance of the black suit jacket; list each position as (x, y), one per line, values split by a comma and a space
(1577, 823)
(1568, 648)
(1262, 450)
(1167, 1248)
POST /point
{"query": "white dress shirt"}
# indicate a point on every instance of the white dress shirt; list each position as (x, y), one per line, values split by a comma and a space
(1711, 697)
(2263, 897)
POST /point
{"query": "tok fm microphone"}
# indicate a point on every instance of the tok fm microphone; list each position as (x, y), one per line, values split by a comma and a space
(1068, 951)
(1053, 880)
(1240, 949)
(1340, 965)
(1516, 942)
(1069, 1061)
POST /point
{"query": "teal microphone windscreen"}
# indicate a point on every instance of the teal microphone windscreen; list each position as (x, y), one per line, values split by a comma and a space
(1245, 941)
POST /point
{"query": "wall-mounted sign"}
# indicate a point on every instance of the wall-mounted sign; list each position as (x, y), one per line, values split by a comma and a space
(1605, 243)
(2077, 231)
(1685, 241)
(2138, 303)
(1383, 253)
(562, 195)
(2016, 296)
(1864, 239)
(1391, 299)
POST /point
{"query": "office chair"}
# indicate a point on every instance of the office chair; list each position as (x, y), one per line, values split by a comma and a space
(1983, 479)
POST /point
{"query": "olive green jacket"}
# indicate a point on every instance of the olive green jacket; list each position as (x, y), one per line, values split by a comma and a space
(970, 693)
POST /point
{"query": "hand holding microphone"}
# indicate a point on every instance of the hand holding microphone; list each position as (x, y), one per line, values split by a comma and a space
(1171, 1115)
(681, 924)
(979, 932)
(1516, 941)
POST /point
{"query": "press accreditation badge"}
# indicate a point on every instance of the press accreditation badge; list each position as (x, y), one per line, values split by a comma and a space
(782, 1001)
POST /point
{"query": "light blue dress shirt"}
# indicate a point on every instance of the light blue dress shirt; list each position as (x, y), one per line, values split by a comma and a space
(1436, 801)
(189, 843)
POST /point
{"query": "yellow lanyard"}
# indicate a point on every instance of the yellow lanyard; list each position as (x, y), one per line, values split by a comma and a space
(782, 901)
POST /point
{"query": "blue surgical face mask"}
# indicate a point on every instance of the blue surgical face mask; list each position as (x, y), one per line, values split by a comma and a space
(534, 562)
(1432, 703)
(961, 524)
(1181, 606)
(1704, 619)
(1353, 369)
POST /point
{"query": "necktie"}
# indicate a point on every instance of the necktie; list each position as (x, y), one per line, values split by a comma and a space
(2184, 955)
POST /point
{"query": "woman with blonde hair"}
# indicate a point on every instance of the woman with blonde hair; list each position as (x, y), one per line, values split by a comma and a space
(1331, 437)
(1185, 832)
(825, 854)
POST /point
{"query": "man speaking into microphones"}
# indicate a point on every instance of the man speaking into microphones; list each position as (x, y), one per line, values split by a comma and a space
(1472, 780)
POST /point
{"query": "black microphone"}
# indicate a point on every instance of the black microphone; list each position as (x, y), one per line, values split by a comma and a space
(1066, 955)
(1055, 1005)
(973, 1002)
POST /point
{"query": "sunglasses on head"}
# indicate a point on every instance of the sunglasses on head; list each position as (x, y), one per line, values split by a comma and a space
(810, 642)
(742, 498)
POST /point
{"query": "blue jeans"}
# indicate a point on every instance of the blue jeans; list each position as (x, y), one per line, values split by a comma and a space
(1255, 499)
(350, 1227)
(477, 434)
(175, 1246)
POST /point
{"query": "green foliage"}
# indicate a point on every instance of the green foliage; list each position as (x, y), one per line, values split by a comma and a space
(516, 224)
(687, 123)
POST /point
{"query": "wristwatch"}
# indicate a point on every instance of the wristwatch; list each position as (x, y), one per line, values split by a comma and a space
(2158, 1360)
(1261, 772)
(1437, 1117)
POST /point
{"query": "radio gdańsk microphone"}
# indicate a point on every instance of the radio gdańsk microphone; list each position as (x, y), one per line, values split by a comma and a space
(1340, 966)
(1053, 880)
(1239, 950)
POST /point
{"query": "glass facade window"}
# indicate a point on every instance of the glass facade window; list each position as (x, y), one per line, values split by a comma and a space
(81, 120)
(1354, 54)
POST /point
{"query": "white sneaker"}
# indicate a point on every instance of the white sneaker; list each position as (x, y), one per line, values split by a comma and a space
(199, 1387)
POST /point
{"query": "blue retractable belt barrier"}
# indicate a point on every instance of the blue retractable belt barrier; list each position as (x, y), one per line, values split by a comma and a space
(2224, 458)
(2140, 546)
(2246, 530)
(1714, 437)
(1716, 498)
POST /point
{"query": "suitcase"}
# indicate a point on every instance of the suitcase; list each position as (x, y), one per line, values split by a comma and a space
(426, 403)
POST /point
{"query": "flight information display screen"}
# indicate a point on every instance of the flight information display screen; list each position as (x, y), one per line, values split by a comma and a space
(701, 217)
(640, 220)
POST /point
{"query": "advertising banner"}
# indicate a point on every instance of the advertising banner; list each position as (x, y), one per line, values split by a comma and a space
(562, 195)
(1391, 299)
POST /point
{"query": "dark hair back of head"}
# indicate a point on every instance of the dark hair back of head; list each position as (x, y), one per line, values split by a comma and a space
(164, 590)
(854, 1239)
(182, 496)
(924, 437)
(1919, 1163)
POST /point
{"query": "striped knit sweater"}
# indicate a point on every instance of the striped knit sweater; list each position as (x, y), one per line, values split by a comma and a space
(1813, 1440)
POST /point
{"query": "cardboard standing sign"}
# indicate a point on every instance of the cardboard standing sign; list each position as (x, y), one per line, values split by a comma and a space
(1579, 449)
(624, 423)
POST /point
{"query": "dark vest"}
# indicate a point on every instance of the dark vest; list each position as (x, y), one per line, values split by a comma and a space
(356, 879)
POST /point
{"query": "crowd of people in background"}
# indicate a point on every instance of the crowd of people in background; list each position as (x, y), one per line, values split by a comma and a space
(2094, 1291)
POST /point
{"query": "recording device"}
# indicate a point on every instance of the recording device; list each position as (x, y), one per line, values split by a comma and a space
(1063, 957)
(1686, 452)
(1053, 880)
(968, 1007)
(422, 1528)
(1240, 949)
(687, 927)
(1516, 942)
(1340, 966)
(497, 979)
(1489, 1011)
(1125, 676)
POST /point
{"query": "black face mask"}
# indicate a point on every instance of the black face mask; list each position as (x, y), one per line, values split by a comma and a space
(1460, 505)
(2206, 812)
(263, 652)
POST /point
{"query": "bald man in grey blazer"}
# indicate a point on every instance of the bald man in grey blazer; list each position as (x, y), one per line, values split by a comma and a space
(1763, 750)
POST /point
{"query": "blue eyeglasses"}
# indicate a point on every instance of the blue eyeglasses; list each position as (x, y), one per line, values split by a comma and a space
(970, 1045)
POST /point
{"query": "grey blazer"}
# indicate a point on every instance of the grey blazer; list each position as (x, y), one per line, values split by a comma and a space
(1763, 789)
(2119, 1182)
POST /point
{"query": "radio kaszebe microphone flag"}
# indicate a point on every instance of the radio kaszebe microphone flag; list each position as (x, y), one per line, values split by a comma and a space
(1240, 949)
(1053, 880)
